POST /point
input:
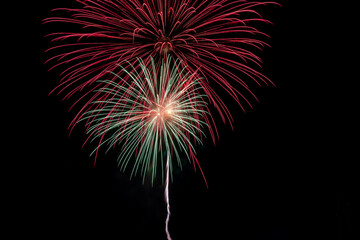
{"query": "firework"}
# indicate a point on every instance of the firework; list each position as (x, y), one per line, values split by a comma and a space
(161, 112)
(137, 99)
(219, 38)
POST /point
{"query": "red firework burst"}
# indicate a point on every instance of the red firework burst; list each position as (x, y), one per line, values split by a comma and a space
(216, 38)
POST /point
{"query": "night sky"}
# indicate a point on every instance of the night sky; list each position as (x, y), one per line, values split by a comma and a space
(282, 173)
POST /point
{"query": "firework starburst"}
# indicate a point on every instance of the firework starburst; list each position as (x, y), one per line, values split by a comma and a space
(219, 38)
(160, 112)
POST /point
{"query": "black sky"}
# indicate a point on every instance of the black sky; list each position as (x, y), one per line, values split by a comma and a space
(283, 173)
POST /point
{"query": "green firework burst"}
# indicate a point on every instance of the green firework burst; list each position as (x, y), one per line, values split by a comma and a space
(156, 110)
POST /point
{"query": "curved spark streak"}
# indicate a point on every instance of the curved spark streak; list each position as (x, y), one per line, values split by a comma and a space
(167, 197)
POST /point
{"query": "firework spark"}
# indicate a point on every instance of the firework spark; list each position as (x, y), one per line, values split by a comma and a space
(218, 37)
(160, 111)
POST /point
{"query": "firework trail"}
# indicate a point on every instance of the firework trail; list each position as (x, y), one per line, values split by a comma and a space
(167, 196)
(219, 37)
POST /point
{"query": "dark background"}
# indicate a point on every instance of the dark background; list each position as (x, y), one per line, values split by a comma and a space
(283, 173)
